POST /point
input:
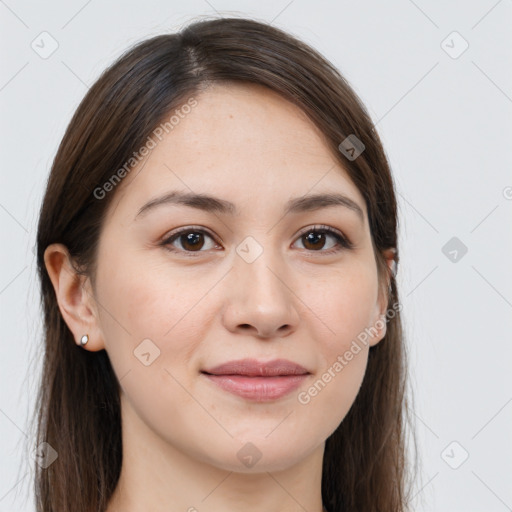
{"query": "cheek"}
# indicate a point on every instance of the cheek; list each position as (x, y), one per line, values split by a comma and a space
(144, 301)
(331, 395)
(144, 295)
(343, 359)
(345, 304)
(150, 324)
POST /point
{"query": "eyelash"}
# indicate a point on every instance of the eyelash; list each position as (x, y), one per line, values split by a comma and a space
(343, 242)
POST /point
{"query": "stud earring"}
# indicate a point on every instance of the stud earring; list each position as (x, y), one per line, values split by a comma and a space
(84, 339)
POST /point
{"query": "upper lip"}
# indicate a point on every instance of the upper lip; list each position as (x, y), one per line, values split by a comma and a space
(254, 368)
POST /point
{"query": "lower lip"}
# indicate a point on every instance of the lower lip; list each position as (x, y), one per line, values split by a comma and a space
(259, 389)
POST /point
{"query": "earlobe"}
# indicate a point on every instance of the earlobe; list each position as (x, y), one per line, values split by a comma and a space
(74, 297)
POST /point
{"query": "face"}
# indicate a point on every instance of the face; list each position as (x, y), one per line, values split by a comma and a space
(182, 288)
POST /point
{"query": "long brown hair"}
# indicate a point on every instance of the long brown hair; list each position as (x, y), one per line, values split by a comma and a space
(78, 415)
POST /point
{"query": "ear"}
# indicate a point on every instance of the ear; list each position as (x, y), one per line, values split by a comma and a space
(380, 319)
(74, 296)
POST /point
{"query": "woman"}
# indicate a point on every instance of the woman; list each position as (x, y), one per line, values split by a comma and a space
(217, 250)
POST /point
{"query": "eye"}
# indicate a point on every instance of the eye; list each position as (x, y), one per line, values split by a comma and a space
(191, 239)
(314, 239)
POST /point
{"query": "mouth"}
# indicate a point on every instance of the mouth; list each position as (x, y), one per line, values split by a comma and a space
(255, 368)
(258, 381)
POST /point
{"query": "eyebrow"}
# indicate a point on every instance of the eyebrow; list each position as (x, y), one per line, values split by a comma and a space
(208, 203)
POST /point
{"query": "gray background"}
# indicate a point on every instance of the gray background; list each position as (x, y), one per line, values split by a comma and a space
(444, 118)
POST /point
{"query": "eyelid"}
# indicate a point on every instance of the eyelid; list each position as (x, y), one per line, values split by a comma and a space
(185, 229)
(322, 227)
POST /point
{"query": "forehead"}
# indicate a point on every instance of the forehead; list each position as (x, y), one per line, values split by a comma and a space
(244, 143)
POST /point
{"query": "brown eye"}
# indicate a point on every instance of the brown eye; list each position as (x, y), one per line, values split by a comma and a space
(315, 239)
(192, 241)
(188, 240)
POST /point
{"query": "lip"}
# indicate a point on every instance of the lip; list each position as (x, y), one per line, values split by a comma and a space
(256, 380)
(255, 368)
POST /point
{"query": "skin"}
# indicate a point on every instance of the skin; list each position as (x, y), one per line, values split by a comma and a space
(181, 433)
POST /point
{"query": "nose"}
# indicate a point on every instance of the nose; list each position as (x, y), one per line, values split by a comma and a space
(261, 301)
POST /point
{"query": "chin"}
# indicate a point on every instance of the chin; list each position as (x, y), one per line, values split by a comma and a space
(259, 455)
